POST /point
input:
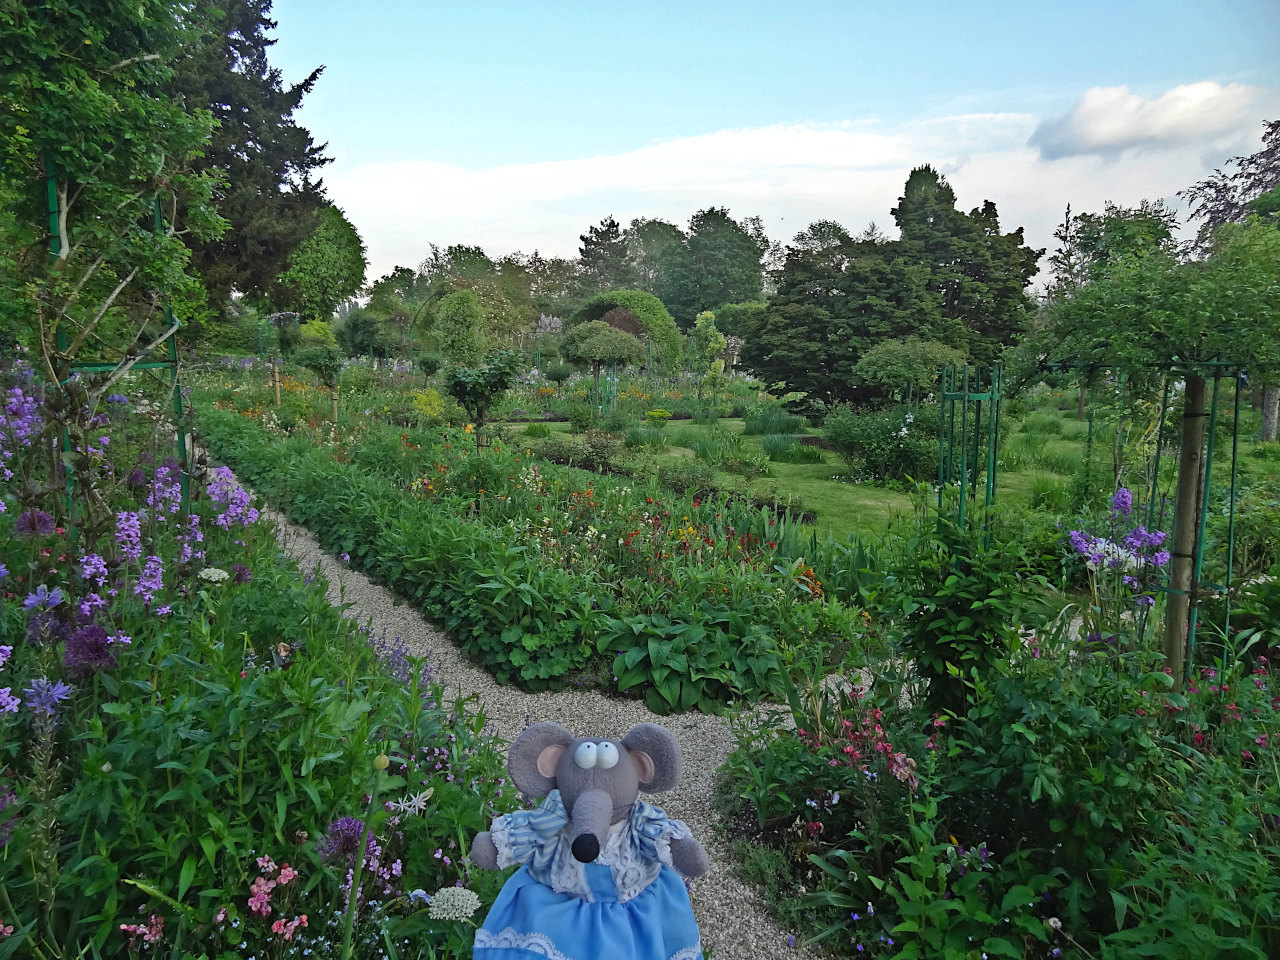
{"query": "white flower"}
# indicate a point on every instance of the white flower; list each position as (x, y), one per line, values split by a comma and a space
(453, 903)
(415, 803)
(213, 575)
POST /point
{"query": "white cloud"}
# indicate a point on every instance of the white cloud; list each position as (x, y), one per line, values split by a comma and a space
(1109, 120)
(789, 174)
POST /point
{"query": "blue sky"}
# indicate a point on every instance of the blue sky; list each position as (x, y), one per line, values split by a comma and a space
(516, 125)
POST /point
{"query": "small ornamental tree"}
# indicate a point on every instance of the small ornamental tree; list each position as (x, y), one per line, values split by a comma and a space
(596, 343)
(1156, 316)
(459, 327)
(476, 388)
(705, 348)
(325, 361)
(905, 365)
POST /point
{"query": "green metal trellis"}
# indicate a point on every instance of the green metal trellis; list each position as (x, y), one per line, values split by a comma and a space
(964, 392)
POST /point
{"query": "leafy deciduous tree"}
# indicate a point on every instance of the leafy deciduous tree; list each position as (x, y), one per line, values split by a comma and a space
(326, 268)
(596, 343)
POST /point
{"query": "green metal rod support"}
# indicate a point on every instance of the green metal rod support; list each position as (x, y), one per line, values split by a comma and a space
(1204, 516)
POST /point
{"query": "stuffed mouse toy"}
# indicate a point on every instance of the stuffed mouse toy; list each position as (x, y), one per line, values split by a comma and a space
(600, 873)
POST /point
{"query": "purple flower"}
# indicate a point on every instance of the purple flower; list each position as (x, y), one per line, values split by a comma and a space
(4, 571)
(1160, 558)
(224, 490)
(117, 398)
(43, 598)
(5, 654)
(343, 840)
(129, 534)
(93, 567)
(165, 495)
(88, 651)
(151, 580)
(8, 702)
(33, 523)
(89, 603)
(136, 478)
(43, 696)
(1122, 503)
(241, 574)
(8, 800)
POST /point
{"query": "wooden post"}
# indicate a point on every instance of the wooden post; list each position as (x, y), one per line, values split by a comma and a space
(1185, 526)
(1082, 400)
(276, 377)
(333, 403)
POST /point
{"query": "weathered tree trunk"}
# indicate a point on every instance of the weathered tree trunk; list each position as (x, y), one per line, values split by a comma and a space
(1081, 401)
(1270, 411)
(1185, 527)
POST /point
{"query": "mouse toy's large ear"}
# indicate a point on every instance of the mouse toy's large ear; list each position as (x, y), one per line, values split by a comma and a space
(534, 757)
(656, 753)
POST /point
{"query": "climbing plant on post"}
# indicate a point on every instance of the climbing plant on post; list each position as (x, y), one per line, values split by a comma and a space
(1189, 320)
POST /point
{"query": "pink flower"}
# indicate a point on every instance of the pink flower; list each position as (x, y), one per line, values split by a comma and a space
(266, 865)
(287, 873)
(260, 903)
(263, 886)
(222, 915)
(278, 926)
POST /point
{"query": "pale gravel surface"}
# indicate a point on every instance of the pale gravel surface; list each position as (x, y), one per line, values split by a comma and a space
(731, 916)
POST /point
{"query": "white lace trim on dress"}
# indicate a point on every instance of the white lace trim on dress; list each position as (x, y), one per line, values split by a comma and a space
(538, 943)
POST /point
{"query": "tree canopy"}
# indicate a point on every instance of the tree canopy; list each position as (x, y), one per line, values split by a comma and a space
(326, 268)
(266, 161)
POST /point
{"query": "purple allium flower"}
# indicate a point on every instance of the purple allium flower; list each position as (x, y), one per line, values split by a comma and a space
(43, 696)
(8, 702)
(33, 523)
(1122, 503)
(129, 534)
(151, 580)
(343, 840)
(137, 477)
(241, 574)
(43, 598)
(88, 651)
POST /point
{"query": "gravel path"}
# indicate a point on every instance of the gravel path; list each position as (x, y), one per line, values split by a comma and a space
(731, 916)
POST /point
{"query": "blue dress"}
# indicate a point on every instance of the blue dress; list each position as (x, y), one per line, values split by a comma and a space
(627, 905)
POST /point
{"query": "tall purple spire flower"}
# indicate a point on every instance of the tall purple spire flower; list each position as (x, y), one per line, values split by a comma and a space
(44, 695)
(129, 534)
(1122, 502)
(43, 598)
(151, 580)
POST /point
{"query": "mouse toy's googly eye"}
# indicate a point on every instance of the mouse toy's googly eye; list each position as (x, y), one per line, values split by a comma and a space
(585, 755)
(608, 756)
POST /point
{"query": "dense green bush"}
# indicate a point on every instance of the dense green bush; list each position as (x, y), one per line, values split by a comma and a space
(886, 444)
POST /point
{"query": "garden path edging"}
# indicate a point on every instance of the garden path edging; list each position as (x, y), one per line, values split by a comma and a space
(732, 917)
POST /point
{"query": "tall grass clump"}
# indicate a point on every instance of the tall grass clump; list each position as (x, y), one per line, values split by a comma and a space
(773, 420)
(781, 448)
(1042, 423)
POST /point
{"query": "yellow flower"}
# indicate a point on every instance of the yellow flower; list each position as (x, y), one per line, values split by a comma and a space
(469, 428)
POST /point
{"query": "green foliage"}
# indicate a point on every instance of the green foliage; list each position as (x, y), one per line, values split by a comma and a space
(773, 419)
(360, 335)
(272, 196)
(459, 327)
(705, 344)
(695, 661)
(582, 417)
(963, 602)
(888, 444)
(477, 389)
(660, 328)
(910, 364)
(85, 111)
(428, 364)
(782, 448)
(326, 268)
(595, 343)
(537, 430)
(324, 361)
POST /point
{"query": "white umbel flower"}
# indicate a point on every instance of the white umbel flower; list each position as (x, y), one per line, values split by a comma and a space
(453, 903)
(213, 575)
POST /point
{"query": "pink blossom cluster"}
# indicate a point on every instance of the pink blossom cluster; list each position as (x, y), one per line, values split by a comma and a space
(149, 932)
(260, 889)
